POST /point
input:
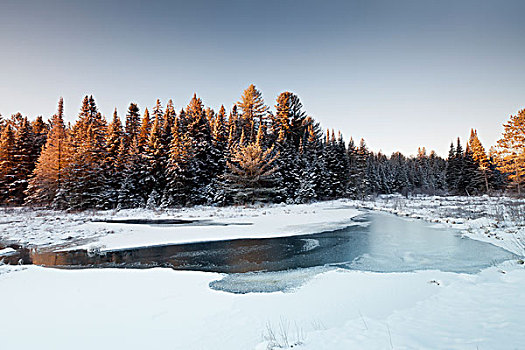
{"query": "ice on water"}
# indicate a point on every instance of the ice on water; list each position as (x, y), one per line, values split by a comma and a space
(266, 282)
(392, 244)
(387, 244)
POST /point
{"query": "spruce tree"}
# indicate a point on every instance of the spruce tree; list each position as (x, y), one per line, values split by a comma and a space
(399, 168)
(132, 123)
(84, 181)
(40, 131)
(250, 174)
(361, 164)
(49, 175)
(145, 130)
(219, 130)
(474, 176)
(204, 154)
(24, 162)
(155, 160)
(452, 171)
(310, 165)
(462, 179)
(179, 172)
(7, 162)
(168, 124)
(130, 194)
(113, 163)
(288, 168)
(480, 157)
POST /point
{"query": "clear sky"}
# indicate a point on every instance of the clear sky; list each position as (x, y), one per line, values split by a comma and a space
(400, 74)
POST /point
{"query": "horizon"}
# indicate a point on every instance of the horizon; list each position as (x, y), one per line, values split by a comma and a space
(401, 76)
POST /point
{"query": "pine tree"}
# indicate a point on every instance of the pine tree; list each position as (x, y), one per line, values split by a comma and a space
(480, 157)
(234, 128)
(145, 131)
(474, 175)
(84, 181)
(220, 140)
(204, 154)
(192, 166)
(40, 131)
(336, 164)
(113, 163)
(310, 165)
(436, 173)
(361, 163)
(452, 170)
(130, 194)
(250, 177)
(498, 180)
(155, 159)
(210, 115)
(168, 124)
(400, 181)
(511, 150)
(179, 171)
(290, 117)
(288, 168)
(7, 162)
(157, 113)
(132, 123)
(463, 176)
(462, 180)
(253, 112)
(49, 175)
(24, 162)
(289, 127)
(219, 130)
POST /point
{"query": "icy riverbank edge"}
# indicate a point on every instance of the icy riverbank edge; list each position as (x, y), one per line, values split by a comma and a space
(86, 230)
(337, 309)
(496, 220)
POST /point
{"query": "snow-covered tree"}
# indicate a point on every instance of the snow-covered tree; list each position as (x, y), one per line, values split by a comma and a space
(84, 181)
(250, 176)
(253, 112)
(132, 123)
(49, 175)
(7, 162)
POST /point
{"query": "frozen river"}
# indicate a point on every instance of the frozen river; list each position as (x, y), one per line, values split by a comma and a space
(375, 242)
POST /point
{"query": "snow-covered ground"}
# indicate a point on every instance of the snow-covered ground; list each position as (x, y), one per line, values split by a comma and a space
(339, 309)
(84, 230)
(321, 308)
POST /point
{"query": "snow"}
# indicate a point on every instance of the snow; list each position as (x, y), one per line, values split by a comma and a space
(310, 244)
(42, 228)
(315, 308)
(496, 220)
(7, 252)
(336, 309)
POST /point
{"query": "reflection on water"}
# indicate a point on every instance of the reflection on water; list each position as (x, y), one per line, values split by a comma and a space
(386, 244)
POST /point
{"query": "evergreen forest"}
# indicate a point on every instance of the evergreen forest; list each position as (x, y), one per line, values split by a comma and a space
(161, 157)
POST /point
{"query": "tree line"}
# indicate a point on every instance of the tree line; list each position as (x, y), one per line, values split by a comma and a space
(161, 158)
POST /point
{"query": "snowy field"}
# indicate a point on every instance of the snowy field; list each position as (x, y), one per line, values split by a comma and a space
(340, 309)
(322, 308)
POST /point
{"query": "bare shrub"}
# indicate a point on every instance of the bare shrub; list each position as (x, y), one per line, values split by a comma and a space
(282, 337)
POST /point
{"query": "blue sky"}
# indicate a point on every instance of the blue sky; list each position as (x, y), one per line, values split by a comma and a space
(401, 74)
